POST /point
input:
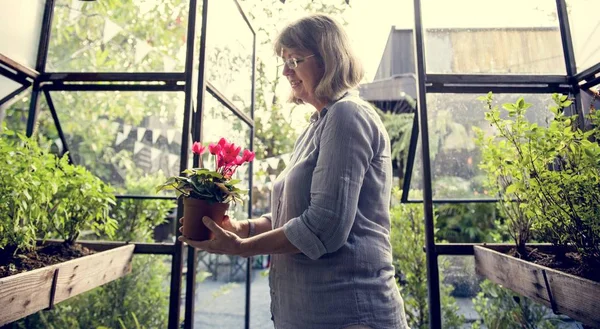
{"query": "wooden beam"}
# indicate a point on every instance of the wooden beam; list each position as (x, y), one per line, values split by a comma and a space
(564, 293)
(14, 65)
(29, 292)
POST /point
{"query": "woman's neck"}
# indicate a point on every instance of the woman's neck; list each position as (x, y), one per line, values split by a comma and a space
(318, 104)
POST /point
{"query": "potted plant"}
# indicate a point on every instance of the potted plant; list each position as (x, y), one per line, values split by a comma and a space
(547, 180)
(209, 192)
(44, 196)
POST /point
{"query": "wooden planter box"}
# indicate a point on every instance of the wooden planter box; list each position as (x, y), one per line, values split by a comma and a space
(29, 292)
(567, 294)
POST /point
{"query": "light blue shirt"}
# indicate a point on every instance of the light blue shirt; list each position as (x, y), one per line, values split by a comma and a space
(333, 202)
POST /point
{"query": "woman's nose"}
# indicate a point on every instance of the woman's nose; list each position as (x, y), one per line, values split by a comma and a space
(286, 70)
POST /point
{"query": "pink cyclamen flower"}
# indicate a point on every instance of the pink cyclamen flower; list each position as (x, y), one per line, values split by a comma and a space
(214, 148)
(248, 155)
(239, 160)
(198, 148)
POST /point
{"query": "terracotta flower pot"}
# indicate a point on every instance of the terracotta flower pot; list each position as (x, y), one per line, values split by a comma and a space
(194, 210)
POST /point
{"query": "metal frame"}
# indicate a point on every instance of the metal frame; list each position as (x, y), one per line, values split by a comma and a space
(13, 95)
(61, 134)
(433, 280)
(570, 83)
(45, 82)
(196, 121)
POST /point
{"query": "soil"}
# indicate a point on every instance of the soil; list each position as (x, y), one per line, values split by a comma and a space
(48, 254)
(570, 263)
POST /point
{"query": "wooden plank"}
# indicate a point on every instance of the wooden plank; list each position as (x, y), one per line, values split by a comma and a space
(80, 275)
(573, 296)
(26, 293)
(31, 73)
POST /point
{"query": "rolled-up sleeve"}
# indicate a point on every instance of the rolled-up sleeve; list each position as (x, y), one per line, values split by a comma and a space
(347, 144)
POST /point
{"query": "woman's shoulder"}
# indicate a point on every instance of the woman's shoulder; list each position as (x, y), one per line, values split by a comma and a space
(352, 104)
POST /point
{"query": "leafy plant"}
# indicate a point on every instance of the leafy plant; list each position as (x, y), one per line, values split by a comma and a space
(42, 195)
(399, 127)
(408, 239)
(215, 186)
(82, 201)
(468, 223)
(137, 218)
(548, 179)
(499, 308)
(138, 300)
(28, 183)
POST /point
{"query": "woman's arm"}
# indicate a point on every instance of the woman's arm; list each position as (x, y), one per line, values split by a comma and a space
(227, 242)
(261, 225)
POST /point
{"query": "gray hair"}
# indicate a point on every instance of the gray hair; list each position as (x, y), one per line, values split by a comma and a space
(324, 37)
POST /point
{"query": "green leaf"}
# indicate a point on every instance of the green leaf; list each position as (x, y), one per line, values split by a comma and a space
(520, 102)
(509, 106)
(512, 188)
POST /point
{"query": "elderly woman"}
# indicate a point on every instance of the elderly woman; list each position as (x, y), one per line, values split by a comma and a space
(329, 230)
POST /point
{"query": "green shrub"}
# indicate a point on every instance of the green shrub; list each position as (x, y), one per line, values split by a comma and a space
(499, 308)
(547, 178)
(28, 183)
(468, 223)
(138, 300)
(408, 240)
(42, 195)
(82, 201)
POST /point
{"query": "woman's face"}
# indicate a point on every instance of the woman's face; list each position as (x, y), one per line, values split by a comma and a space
(305, 77)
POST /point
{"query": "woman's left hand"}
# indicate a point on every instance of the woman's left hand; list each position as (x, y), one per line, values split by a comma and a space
(223, 243)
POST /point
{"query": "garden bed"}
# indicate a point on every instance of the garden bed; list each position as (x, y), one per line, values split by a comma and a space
(565, 293)
(28, 292)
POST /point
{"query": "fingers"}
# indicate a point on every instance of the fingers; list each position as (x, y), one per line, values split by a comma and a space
(211, 225)
(181, 220)
(203, 245)
(207, 245)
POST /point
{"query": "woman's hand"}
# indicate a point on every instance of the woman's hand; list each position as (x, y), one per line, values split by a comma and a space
(224, 241)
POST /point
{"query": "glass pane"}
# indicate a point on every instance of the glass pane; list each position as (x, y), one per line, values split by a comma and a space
(219, 122)
(20, 28)
(140, 297)
(591, 99)
(505, 37)
(229, 53)
(7, 86)
(454, 155)
(223, 277)
(407, 238)
(585, 26)
(469, 223)
(118, 36)
(221, 291)
(15, 111)
(125, 138)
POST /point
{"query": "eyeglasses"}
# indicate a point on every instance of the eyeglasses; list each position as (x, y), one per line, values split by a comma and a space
(292, 63)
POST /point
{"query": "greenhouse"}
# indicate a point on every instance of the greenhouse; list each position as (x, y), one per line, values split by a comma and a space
(110, 109)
